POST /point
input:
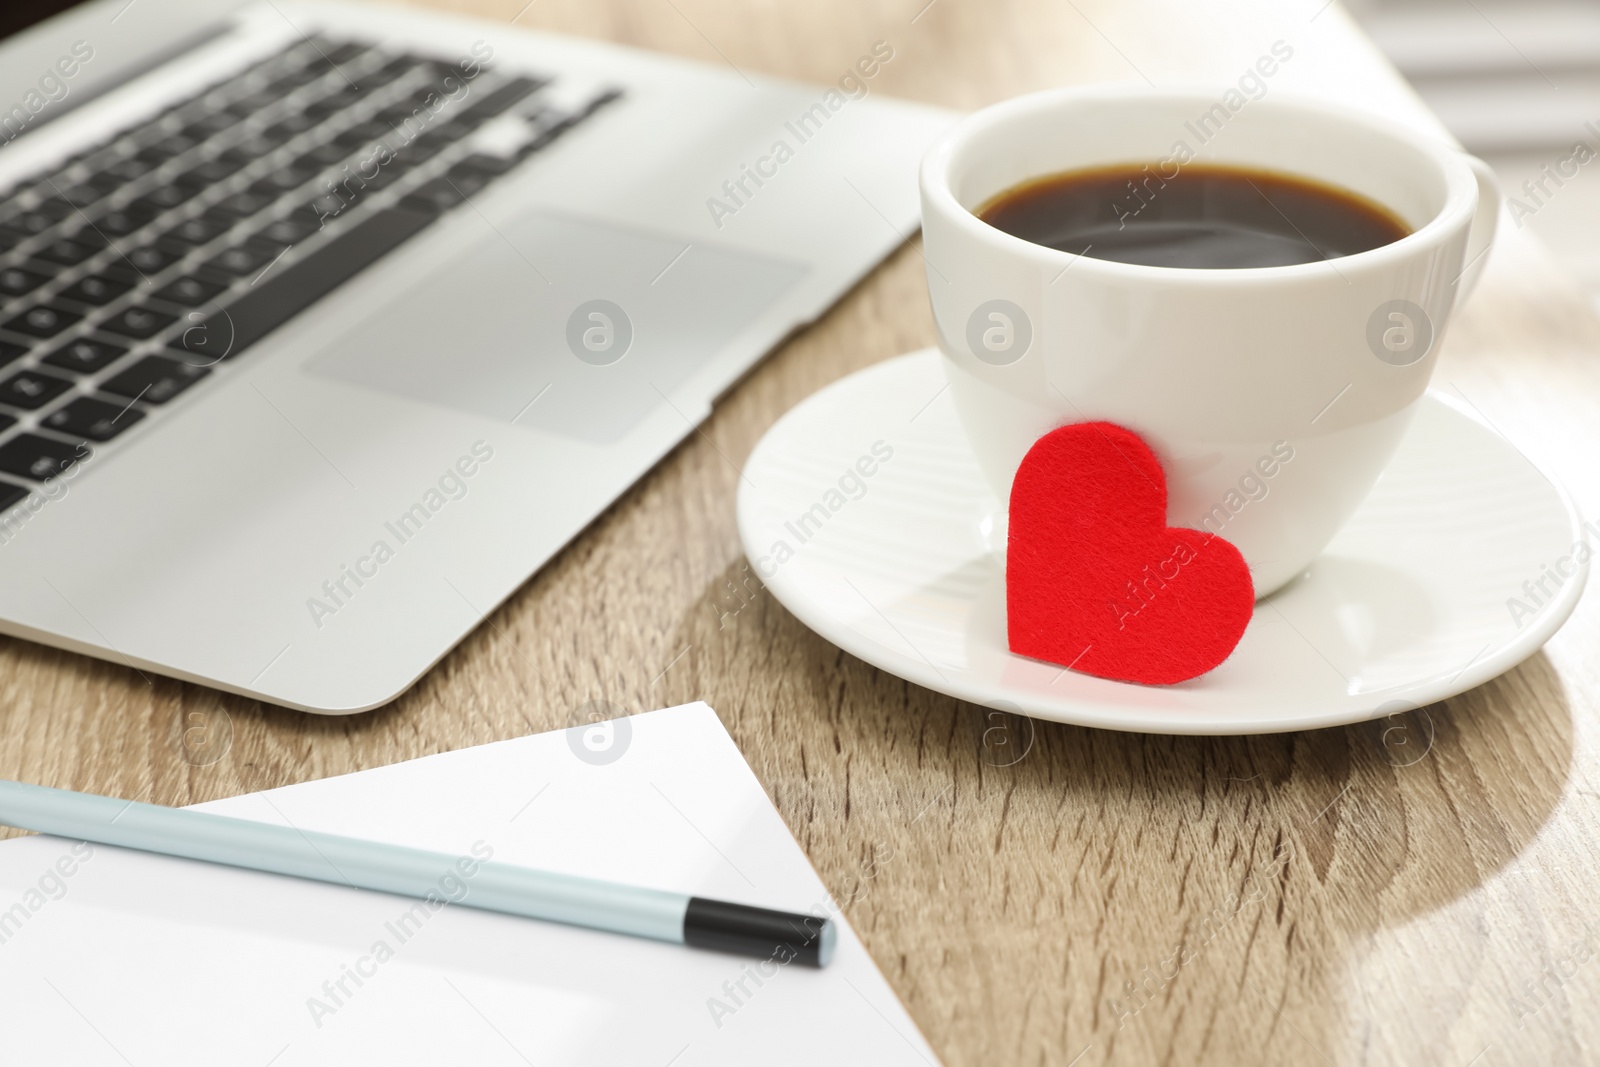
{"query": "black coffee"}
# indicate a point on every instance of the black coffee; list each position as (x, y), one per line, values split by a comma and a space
(1200, 216)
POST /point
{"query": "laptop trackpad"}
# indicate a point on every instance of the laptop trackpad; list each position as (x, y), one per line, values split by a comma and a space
(564, 324)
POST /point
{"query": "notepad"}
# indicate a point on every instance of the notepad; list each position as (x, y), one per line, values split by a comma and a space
(115, 957)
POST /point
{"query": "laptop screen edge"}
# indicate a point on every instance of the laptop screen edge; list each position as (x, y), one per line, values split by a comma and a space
(52, 67)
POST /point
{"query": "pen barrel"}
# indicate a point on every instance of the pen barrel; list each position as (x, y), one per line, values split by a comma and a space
(468, 881)
(461, 880)
(623, 909)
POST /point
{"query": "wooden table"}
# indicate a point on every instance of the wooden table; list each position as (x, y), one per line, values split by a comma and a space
(1334, 896)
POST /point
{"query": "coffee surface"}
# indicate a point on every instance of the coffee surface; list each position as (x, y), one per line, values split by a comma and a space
(1202, 215)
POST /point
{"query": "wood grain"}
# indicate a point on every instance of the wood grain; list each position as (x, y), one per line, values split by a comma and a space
(1417, 891)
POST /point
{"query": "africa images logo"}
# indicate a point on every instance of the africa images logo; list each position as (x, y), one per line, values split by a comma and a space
(600, 733)
(599, 332)
(1399, 333)
(999, 332)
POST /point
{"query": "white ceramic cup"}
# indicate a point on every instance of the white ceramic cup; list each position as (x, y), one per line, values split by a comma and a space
(1273, 396)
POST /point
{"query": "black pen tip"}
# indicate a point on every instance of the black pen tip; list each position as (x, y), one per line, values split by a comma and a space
(782, 936)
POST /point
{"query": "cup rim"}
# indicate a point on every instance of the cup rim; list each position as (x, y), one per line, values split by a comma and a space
(1461, 187)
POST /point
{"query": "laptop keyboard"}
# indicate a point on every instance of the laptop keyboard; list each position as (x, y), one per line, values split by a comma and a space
(129, 273)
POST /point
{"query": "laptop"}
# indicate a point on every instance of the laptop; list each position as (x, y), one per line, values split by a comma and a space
(325, 326)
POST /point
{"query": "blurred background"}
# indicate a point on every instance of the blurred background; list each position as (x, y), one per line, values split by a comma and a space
(1516, 82)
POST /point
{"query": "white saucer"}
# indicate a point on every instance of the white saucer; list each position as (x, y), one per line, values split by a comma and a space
(1407, 606)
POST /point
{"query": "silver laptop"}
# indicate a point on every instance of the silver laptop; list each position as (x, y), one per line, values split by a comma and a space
(326, 326)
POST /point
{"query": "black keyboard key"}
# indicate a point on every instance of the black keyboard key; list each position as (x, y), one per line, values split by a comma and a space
(31, 456)
(138, 322)
(316, 71)
(31, 389)
(43, 321)
(500, 99)
(322, 156)
(386, 176)
(364, 134)
(85, 356)
(122, 222)
(285, 178)
(468, 180)
(103, 183)
(128, 169)
(209, 125)
(39, 219)
(333, 103)
(397, 116)
(293, 77)
(281, 296)
(206, 342)
(396, 68)
(211, 171)
(247, 106)
(10, 353)
(340, 54)
(437, 70)
(260, 71)
(96, 289)
(21, 197)
(289, 229)
(177, 143)
(162, 199)
(325, 208)
(196, 231)
(14, 281)
(167, 148)
(352, 188)
(485, 164)
(430, 91)
(50, 203)
(420, 150)
(282, 180)
(92, 419)
(88, 235)
(433, 197)
(258, 101)
(258, 144)
(292, 125)
(242, 205)
(278, 83)
(290, 71)
(39, 266)
(189, 292)
(152, 259)
(81, 196)
(68, 253)
(154, 379)
(11, 495)
(446, 133)
(245, 259)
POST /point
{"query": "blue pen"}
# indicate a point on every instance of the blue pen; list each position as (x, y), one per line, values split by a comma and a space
(413, 872)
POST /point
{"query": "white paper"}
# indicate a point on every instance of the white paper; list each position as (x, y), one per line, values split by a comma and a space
(124, 958)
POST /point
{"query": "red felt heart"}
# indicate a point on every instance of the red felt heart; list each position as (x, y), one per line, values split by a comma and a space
(1095, 578)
